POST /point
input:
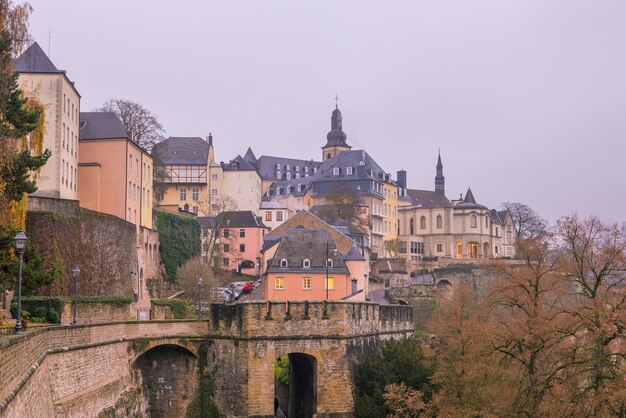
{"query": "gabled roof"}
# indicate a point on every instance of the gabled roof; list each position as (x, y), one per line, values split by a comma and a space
(427, 199)
(305, 219)
(299, 244)
(354, 254)
(101, 125)
(232, 219)
(238, 164)
(182, 150)
(34, 60)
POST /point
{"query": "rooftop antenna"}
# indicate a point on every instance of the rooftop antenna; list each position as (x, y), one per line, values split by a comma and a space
(49, 37)
(336, 101)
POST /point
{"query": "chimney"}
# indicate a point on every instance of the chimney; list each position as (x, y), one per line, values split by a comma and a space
(401, 179)
(209, 139)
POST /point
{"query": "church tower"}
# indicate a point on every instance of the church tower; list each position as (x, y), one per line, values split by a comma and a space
(440, 180)
(336, 138)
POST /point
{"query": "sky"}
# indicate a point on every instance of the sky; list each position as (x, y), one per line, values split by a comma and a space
(525, 99)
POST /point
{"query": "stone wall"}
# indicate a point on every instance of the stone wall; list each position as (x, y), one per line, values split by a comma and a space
(85, 370)
(95, 313)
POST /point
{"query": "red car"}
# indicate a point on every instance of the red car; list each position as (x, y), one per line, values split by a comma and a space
(247, 288)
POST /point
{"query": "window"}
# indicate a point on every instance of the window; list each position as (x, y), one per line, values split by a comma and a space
(225, 262)
(402, 248)
(213, 191)
(279, 216)
(411, 227)
(288, 177)
(299, 187)
(439, 221)
(314, 169)
(226, 233)
(287, 167)
(195, 194)
(297, 176)
(297, 168)
(348, 171)
(439, 248)
(497, 231)
(183, 194)
(213, 176)
(496, 249)
(283, 263)
(242, 233)
(194, 210)
(137, 167)
(486, 221)
(335, 171)
(279, 283)
(330, 283)
(423, 222)
(242, 248)
(306, 169)
(226, 248)
(329, 263)
(306, 263)
(306, 283)
(473, 221)
(278, 175)
(268, 215)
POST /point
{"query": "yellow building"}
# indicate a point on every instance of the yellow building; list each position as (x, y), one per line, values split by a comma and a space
(38, 75)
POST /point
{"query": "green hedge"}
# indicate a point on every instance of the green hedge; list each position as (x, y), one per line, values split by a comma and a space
(180, 308)
(179, 241)
(40, 308)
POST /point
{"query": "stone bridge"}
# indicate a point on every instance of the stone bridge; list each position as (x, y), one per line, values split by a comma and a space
(165, 368)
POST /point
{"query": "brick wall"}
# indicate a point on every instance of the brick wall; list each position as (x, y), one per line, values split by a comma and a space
(95, 313)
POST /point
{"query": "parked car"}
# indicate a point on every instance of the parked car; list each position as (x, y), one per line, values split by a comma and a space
(247, 287)
(224, 294)
(237, 288)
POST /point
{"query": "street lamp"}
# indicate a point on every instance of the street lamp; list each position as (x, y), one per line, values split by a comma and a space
(20, 245)
(199, 282)
(75, 274)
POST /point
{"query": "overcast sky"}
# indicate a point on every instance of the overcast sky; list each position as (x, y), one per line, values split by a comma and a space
(526, 99)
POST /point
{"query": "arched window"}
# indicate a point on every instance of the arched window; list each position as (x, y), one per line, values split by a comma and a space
(411, 227)
(314, 169)
(423, 222)
(279, 175)
(439, 221)
(288, 176)
(297, 168)
(283, 263)
(297, 175)
(306, 169)
(486, 221)
(287, 167)
(473, 221)
(299, 187)
(288, 189)
(277, 166)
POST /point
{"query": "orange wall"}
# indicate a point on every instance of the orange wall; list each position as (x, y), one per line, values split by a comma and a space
(111, 155)
(293, 287)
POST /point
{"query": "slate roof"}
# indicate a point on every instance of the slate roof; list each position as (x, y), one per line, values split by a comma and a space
(469, 202)
(271, 204)
(269, 241)
(238, 164)
(232, 219)
(101, 125)
(427, 199)
(267, 166)
(250, 157)
(354, 159)
(299, 244)
(354, 254)
(336, 136)
(34, 60)
(182, 150)
(305, 183)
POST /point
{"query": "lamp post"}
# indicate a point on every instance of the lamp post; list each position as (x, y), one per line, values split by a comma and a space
(199, 282)
(20, 245)
(75, 274)
(326, 270)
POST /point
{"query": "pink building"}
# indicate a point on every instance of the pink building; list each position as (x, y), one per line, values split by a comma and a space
(238, 246)
(308, 266)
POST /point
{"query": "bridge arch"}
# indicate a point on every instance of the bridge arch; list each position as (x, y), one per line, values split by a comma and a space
(141, 346)
(299, 397)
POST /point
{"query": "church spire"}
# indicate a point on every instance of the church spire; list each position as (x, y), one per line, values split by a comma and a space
(440, 180)
(336, 138)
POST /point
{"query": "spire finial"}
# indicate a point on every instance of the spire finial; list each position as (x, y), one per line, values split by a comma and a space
(336, 101)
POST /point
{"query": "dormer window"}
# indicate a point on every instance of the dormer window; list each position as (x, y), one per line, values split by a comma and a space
(277, 166)
(287, 167)
(288, 176)
(314, 169)
(279, 175)
(288, 189)
(329, 263)
(306, 263)
(278, 191)
(283, 263)
(297, 175)
(306, 169)
(299, 187)
(348, 171)
(297, 168)
(335, 171)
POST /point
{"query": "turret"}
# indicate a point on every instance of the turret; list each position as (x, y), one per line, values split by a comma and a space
(440, 180)
(336, 138)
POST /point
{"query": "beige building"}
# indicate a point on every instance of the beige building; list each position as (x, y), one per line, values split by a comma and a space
(39, 76)
(192, 177)
(242, 183)
(274, 213)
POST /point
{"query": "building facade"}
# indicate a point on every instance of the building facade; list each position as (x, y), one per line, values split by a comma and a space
(39, 77)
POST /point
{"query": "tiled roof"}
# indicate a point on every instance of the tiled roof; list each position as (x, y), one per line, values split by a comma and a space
(182, 150)
(238, 164)
(101, 125)
(271, 204)
(299, 244)
(267, 166)
(469, 202)
(232, 219)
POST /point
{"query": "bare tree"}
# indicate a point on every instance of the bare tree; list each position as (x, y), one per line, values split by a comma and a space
(212, 228)
(343, 204)
(199, 281)
(526, 221)
(139, 121)
(14, 22)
